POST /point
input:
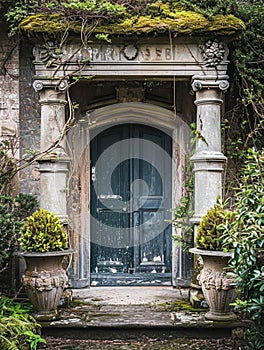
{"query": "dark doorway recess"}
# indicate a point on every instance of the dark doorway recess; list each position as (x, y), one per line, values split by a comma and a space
(131, 190)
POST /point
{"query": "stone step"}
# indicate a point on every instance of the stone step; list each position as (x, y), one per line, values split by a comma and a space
(135, 321)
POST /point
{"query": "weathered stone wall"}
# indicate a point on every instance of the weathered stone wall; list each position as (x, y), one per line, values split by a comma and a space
(9, 85)
(19, 119)
(29, 119)
(9, 118)
(19, 115)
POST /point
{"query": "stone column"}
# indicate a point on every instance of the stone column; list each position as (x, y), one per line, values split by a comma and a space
(54, 162)
(208, 160)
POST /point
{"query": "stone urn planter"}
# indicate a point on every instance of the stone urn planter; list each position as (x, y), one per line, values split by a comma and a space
(218, 286)
(45, 245)
(214, 241)
(45, 279)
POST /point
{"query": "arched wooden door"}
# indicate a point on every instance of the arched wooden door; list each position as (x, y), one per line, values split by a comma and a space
(130, 203)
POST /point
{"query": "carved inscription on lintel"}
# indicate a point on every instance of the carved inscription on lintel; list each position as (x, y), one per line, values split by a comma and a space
(103, 53)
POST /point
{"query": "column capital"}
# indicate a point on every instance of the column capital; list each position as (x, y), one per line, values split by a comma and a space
(51, 91)
(59, 84)
(200, 82)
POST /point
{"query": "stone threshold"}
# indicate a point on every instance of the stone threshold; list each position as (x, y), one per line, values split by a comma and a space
(119, 313)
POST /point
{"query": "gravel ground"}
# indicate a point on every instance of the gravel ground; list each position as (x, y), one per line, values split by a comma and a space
(146, 343)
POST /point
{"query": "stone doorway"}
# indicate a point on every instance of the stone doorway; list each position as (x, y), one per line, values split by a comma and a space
(116, 90)
(84, 140)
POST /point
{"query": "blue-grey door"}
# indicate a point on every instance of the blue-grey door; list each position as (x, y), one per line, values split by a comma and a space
(130, 205)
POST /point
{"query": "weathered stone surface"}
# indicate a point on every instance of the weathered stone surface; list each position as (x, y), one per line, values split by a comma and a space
(29, 120)
(9, 86)
(112, 313)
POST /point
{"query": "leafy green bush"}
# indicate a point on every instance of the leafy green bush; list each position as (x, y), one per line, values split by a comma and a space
(43, 232)
(18, 330)
(248, 235)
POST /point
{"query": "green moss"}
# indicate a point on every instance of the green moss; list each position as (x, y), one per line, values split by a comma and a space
(77, 302)
(90, 316)
(183, 23)
(179, 305)
(226, 24)
(44, 23)
(177, 21)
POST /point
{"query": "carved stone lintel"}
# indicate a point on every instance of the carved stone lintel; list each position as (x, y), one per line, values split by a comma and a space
(213, 52)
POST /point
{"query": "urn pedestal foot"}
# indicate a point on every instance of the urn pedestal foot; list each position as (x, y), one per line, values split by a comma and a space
(46, 316)
(214, 316)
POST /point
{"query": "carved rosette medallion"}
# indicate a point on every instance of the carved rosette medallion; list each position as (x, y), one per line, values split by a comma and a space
(213, 52)
(130, 52)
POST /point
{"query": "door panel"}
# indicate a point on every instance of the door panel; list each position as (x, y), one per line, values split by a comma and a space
(130, 201)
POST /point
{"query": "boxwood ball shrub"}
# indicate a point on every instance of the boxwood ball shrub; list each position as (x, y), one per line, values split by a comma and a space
(43, 232)
(214, 228)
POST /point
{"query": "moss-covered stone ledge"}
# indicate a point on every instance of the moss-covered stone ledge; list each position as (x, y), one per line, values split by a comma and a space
(177, 21)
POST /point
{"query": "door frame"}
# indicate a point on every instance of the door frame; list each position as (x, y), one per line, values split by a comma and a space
(79, 145)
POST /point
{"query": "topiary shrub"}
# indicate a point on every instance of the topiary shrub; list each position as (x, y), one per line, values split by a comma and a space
(214, 229)
(43, 232)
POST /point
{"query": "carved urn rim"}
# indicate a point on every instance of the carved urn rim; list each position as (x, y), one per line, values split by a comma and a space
(46, 254)
(210, 252)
